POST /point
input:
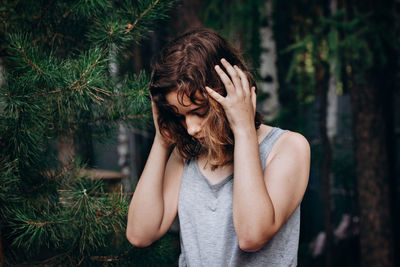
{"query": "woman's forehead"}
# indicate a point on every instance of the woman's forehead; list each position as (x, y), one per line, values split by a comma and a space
(179, 101)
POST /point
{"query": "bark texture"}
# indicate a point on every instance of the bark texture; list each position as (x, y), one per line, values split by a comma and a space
(372, 171)
(269, 106)
(322, 79)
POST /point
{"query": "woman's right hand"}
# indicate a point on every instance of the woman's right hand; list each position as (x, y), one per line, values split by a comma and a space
(158, 137)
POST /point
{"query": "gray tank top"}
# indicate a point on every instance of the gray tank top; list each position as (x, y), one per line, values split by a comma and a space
(207, 233)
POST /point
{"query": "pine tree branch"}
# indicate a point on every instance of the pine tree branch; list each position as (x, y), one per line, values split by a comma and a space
(106, 119)
(84, 74)
(51, 260)
(35, 188)
(100, 90)
(106, 258)
(39, 223)
(80, 262)
(33, 65)
(132, 117)
(67, 13)
(53, 39)
(64, 170)
(97, 89)
(97, 98)
(49, 174)
(130, 27)
(46, 93)
(44, 10)
(5, 23)
(40, 56)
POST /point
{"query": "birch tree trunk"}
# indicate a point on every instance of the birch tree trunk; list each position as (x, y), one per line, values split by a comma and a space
(329, 133)
(123, 146)
(332, 109)
(268, 107)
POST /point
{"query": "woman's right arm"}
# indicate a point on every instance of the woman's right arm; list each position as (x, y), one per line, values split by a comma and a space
(154, 204)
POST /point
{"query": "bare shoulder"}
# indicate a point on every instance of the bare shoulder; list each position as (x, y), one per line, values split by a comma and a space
(295, 143)
(287, 172)
(291, 142)
(291, 151)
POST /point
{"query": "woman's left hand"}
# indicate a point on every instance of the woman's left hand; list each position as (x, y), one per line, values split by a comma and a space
(240, 101)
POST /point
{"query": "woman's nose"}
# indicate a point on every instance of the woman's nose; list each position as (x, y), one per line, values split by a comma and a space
(192, 126)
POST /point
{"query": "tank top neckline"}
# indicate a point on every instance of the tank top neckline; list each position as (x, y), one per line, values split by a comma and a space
(221, 183)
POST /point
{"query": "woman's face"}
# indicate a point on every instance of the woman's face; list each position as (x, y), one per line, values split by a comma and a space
(192, 115)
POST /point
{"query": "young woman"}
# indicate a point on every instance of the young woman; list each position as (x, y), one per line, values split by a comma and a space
(236, 184)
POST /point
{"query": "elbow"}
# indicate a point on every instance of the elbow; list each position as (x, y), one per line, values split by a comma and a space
(137, 241)
(253, 243)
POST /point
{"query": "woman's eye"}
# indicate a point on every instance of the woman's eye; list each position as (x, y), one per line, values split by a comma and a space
(202, 113)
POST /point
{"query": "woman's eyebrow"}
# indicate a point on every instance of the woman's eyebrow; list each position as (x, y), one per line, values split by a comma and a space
(176, 110)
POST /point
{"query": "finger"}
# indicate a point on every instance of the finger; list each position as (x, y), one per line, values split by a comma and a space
(217, 97)
(154, 110)
(153, 107)
(230, 88)
(254, 98)
(244, 79)
(233, 74)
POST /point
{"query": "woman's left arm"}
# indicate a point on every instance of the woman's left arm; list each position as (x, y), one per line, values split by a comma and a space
(262, 201)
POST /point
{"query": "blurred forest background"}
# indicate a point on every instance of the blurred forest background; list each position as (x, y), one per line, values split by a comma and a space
(327, 69)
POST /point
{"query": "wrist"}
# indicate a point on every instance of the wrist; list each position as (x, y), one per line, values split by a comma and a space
(246, 131)
(160, 141)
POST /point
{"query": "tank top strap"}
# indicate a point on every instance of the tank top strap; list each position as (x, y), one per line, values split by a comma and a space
(268, 142)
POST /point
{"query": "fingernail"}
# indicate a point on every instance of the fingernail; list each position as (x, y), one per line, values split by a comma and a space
(216, 67)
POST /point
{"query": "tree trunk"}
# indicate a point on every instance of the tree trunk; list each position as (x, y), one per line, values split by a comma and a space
(269, 106)
(322, 81)
(66, 150)
(332, 108)
(372, 171)
(1, 251)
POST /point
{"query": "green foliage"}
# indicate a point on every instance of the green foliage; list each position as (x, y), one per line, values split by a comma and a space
(34, 229)
(238, 21)
(10, 182)
(58, 83)
(348, 46)
(356, 47)
(129, 24)
(361, 44)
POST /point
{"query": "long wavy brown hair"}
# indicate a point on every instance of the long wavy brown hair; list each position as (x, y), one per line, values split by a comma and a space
(186, 66)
